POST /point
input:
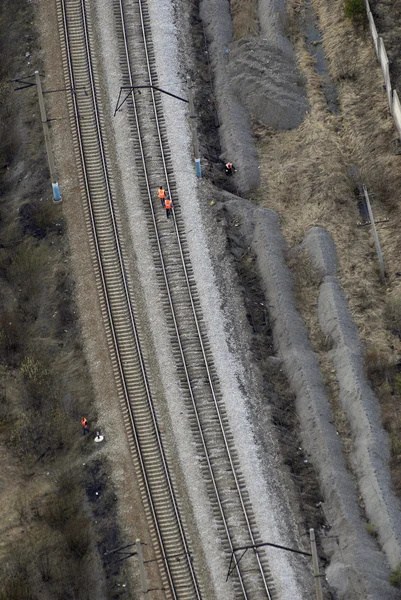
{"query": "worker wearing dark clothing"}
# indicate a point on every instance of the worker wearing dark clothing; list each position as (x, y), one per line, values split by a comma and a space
(85, 426)
(168, 205)
(162, 195)
(229, 168)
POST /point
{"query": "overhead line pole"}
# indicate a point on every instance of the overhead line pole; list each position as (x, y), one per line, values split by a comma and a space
(46, 132)
(192, 115)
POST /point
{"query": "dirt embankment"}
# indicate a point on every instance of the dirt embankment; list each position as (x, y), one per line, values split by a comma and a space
(306, 180)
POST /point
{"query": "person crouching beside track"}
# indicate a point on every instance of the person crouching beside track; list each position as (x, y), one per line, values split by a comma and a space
(229, 168)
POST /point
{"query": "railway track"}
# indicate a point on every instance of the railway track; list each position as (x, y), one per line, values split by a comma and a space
(198, 381)
(191, 349)
(157, 487)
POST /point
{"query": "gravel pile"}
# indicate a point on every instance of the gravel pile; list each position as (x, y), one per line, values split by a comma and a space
(268, 83)
(371, 454)
(273, 23)
(235, 124)
(321, 250)
(357, 568)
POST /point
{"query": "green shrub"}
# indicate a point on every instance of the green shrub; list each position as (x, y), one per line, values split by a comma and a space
(395, 577)
(354, 9)
(371, 529)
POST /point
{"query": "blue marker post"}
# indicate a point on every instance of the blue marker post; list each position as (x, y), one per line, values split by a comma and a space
(46, 132)
(192, 117)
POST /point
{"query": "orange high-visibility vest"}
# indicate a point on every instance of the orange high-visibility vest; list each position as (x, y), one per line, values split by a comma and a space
(168, 203)
(162, 194)
(84, 422)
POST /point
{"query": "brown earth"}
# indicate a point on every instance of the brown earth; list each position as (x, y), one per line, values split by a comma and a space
(45, 385)
(58, 503)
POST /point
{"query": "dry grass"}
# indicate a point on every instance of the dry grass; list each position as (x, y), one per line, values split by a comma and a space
(245, 18)
(48, 531)
(307, 173)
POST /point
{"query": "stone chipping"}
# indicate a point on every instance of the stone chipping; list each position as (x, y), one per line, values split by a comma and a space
(358, 569)
(321, 251)
(268, 83)
(371, 453)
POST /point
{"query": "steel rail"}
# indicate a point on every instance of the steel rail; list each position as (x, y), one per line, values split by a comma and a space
(109, 311)
(196, 320)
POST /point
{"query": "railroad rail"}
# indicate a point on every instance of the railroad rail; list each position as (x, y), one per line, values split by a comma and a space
(199, 383)
(198, 379)
(157, 486)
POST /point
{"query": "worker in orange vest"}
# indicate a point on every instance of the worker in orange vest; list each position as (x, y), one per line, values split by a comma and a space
(162, 195)
(85, 426)
(168, 205)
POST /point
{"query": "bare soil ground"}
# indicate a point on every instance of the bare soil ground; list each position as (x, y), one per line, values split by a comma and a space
(58, 504)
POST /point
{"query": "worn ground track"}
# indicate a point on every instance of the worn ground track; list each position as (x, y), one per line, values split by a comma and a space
(192, 354)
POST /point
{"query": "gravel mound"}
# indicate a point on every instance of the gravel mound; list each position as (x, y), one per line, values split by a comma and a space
(256, 75)
(371, 449)
(357, 567)
(273, 23)
(235, 124)
(268, 83)
(321, 250)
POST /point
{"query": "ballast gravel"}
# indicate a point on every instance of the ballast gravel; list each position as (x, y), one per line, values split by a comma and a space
(263, 478)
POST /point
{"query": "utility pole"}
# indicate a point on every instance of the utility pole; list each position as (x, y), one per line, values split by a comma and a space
(142, 573)
(315, 562)
(46, 132)
(192, 118)
(375, 236)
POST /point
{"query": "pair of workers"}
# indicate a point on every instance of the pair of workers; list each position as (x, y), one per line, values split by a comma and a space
(165, 201)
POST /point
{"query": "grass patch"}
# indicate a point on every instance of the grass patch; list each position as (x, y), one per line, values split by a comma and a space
(371, 528)
(355, 9)
(392, 313)
(245, 18)
(395, 577)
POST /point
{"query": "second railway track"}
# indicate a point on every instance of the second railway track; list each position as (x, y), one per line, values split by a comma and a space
(169, 540)
(198, 380)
